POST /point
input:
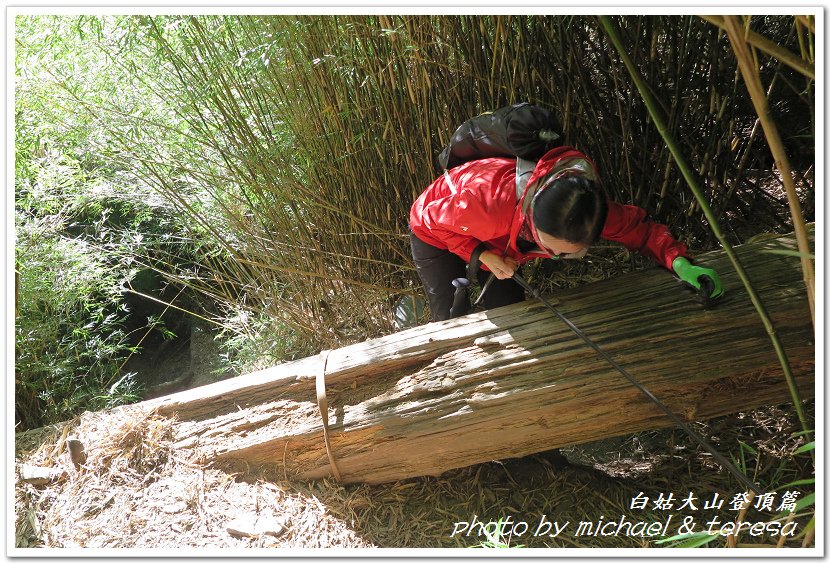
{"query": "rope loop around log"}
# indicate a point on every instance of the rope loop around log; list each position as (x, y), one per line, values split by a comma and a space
(323, 403)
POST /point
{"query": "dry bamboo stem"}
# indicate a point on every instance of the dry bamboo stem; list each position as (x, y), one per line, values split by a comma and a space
(783, 538)
(759, 100)
(768, 47)
(808, 539)
(732, 539)
(806, 22)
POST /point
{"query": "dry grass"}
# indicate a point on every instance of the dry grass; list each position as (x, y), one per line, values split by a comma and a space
(133, 491)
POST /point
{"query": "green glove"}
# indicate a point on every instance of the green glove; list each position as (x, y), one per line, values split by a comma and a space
(704, 281)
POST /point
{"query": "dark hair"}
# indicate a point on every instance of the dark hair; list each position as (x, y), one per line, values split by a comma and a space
(572, 208)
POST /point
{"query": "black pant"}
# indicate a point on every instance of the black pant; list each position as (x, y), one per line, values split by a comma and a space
(438, 267)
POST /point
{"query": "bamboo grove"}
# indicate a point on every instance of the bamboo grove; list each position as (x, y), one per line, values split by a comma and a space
(316, 133)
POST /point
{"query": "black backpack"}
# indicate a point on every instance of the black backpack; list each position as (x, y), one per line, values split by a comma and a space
(523, 130)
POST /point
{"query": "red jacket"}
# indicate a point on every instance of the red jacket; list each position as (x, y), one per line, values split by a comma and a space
(485, 209)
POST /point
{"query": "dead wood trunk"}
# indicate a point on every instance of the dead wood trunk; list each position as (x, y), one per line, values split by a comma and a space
(513, 381)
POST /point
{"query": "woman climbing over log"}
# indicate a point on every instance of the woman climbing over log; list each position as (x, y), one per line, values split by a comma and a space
(477, 212)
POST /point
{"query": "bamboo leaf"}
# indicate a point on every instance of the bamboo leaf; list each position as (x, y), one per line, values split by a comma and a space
(808, 447)
(809, 500)
(689, 540)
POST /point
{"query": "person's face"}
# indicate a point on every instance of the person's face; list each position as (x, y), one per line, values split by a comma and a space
(558, 246)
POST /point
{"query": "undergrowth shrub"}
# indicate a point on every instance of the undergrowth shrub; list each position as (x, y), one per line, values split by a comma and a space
(70, 337)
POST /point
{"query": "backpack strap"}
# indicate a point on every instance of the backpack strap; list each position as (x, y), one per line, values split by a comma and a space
(524, 170)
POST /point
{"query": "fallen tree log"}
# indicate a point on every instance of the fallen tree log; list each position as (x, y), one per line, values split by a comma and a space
(515, 380)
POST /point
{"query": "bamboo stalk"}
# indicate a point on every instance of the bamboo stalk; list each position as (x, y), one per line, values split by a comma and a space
(807, 22)
(732, 539)
(740, 169)
(770, 48)
(782, 163)
(808, 538)
(692, 181)
(783, 538)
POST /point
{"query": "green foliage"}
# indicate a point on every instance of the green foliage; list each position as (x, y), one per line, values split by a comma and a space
(803, 510)
(792, 253)
(496, 538)
(70, 337)
(697, 539)
(808, 447)
(85, 223)
(80, 242)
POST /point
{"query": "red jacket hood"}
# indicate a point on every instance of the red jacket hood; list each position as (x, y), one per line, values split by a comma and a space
(563, 160)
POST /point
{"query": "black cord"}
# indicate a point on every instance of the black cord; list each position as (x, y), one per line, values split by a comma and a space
(685, 427)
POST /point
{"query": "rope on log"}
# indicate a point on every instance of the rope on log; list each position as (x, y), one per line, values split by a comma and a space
(323, 403)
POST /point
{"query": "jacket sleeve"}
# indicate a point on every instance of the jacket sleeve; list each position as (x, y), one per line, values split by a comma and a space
(460, 220)
(629, 225)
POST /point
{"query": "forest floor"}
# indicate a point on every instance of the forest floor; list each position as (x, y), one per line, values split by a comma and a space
(132, 490)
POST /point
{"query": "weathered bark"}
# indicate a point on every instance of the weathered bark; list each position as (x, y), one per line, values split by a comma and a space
(513, 381)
